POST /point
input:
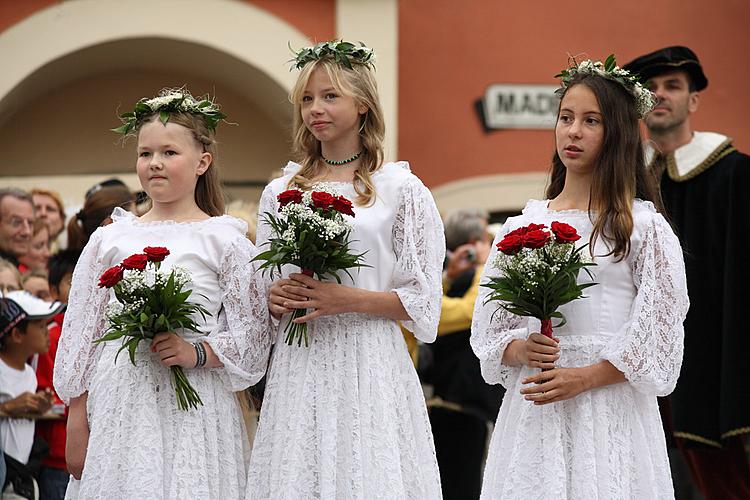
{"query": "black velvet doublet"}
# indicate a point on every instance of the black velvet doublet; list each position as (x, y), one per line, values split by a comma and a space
(710, 213)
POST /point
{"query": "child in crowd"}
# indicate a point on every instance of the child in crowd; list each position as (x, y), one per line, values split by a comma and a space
(53, 478)
(37, 284)
(23, 333)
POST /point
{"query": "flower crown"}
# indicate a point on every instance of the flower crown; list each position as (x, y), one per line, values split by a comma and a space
(171, 101)
(344, 53)
(645, 100)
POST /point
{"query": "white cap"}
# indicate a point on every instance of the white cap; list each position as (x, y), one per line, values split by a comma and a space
(34, 307)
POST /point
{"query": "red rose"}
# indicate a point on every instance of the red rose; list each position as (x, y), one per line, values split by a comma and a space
(110, 277)
(135, 261)
(323, 200)
(156, 254)
(341, 204)
(535, 239)
(511, 244)
(564, 233)
(290, 196)
(518, 232)
(523, 230)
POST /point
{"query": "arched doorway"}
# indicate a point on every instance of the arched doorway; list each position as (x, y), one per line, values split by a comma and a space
(59, 99)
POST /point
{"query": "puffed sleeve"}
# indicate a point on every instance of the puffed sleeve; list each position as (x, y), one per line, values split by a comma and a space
(242, 338)
(85, 317)
(493, 328)
(419, 244)
(648, 348)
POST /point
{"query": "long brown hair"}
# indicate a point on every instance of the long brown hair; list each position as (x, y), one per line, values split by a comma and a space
(358, 82)
(209, 194)
(96, 210)
(620, 174)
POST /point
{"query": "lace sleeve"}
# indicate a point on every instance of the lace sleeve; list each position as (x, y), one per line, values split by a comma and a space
(493, 328)
(242, 338)
(77, 355)
(648, 349)
(419, 244)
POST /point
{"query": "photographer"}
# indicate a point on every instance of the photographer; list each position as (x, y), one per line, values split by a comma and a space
(463, 402)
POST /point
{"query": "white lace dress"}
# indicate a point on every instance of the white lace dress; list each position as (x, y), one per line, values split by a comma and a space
(345, 418)
(606, 443)
(141, 445)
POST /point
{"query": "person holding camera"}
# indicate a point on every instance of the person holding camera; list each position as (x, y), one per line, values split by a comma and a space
(463, 403)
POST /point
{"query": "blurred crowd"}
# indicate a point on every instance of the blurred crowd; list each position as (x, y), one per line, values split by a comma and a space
(40, 243)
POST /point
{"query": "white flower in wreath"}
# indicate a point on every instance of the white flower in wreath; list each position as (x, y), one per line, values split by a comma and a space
(159, 102)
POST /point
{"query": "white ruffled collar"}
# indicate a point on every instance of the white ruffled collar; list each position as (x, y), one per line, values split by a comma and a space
(692, 155)
(121, 215)
(541, 207)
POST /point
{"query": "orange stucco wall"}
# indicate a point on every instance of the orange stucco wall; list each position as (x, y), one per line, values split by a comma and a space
(449, 52)
(314, 18)
(12, 11)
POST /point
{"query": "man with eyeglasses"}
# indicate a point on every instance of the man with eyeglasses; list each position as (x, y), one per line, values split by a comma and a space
(16, 221)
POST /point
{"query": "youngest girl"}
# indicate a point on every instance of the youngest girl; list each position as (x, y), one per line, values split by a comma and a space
(126, 436)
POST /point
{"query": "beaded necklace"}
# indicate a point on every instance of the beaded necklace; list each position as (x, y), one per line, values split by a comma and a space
(338, 163)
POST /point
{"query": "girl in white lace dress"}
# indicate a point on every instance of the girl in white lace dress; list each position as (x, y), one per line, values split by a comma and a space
(589, 427)
(345, 418)
(126, 436)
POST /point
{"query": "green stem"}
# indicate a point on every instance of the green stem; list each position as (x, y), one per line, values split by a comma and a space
(296, 331)
(187, 396)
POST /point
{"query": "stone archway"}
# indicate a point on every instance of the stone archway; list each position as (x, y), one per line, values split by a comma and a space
(73, 62)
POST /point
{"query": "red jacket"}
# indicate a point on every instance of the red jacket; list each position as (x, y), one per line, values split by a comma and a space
(52, 431)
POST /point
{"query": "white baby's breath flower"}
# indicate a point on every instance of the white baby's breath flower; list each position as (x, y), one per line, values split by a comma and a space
(149, 277)
(181, 275)
(114, 309)
(161, 101)
(132, 281)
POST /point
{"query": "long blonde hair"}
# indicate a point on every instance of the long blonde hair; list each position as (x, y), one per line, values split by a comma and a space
(359, 83)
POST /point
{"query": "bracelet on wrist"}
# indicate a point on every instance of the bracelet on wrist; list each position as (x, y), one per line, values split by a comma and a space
(200, 352)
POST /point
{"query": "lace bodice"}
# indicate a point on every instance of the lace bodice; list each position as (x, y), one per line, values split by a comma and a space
(402, 235)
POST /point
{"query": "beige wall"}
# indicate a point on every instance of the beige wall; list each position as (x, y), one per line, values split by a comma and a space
(66, 131)
(74, 62)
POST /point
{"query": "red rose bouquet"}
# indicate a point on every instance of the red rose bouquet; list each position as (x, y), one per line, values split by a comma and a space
(150, 302)
(312, 233)
(539, 269)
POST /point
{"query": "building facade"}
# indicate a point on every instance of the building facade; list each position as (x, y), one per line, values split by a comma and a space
(445, 70)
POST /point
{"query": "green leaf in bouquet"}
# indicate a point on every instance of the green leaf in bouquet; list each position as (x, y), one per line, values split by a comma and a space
(561, 317)
(161, 324)
(109, 336)
(132, 346)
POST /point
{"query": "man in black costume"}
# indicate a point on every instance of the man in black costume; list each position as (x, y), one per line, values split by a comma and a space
(703, 183)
